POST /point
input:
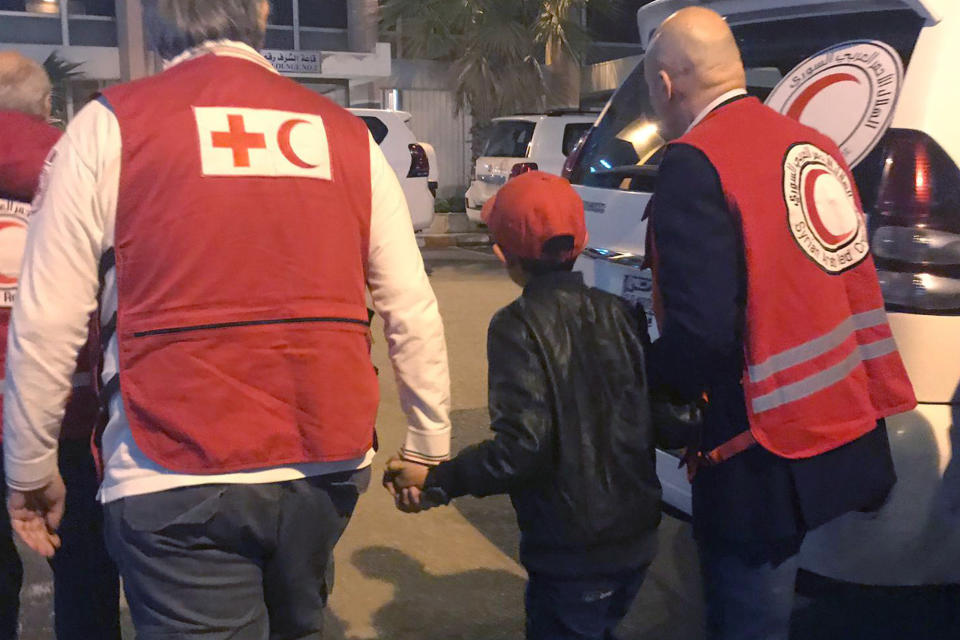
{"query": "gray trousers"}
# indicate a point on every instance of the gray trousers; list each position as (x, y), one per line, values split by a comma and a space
(244, 562)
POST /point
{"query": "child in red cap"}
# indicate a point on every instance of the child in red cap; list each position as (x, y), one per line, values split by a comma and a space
(573, 441)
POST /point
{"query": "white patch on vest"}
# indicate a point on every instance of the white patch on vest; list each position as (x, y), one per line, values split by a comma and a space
(262, 142)
(822, 209)
(13, 239)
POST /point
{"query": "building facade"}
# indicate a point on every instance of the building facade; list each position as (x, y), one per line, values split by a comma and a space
(313, 41)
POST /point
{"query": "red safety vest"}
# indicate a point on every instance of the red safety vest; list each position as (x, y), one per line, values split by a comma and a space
(242, 230)
(821, 362)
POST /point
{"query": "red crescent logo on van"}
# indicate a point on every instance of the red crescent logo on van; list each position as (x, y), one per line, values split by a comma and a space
(848, 92)
(807, 95)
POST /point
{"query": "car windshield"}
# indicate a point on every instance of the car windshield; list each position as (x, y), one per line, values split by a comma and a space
(509, 139)
(625, 148)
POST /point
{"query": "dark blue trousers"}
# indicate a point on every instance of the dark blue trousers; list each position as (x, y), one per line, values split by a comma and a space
(86, 590)
(581, 608)
(11, 570)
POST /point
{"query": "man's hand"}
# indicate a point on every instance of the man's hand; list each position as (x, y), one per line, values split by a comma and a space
(404, 480)
(36, 515)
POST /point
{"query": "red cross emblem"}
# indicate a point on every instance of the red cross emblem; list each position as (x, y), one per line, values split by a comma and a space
(239, 140)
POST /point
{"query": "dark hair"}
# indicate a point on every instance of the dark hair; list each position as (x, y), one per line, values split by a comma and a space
(555, 257)
(174, 26)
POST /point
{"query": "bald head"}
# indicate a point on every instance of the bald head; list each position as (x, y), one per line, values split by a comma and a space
(24, 85)
(692, 59)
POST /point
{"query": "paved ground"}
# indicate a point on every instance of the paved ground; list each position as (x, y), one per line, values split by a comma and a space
(452, 573)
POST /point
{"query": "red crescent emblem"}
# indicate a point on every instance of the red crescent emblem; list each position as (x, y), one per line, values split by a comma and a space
(811, 92)
(283, 138)
(809, 192)
(6, 280)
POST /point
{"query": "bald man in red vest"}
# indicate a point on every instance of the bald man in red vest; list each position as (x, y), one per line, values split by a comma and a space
(772, 314)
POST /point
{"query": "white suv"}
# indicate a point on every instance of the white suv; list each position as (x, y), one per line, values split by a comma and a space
(879, 77)
(522, 143)
(408, 158)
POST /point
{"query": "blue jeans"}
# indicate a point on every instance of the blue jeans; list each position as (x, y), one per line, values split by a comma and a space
(237, 562)
(749, 589)
(581, 608)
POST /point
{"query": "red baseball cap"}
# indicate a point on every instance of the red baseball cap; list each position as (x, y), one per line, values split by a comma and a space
(532, 209)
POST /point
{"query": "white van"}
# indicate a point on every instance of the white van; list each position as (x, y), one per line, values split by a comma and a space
(517, 144)
(409, 159)
(879, 77)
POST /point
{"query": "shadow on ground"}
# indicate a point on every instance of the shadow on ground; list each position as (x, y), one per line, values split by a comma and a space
(467, 262)
(466, 605)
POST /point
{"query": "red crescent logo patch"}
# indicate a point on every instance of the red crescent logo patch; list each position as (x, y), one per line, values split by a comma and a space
(286, 148)
(822, 211)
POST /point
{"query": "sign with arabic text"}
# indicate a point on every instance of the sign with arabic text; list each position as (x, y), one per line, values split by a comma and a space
(287, 61)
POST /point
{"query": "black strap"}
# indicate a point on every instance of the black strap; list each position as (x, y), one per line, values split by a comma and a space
(109, 389)
(107, 261)
(107, 331)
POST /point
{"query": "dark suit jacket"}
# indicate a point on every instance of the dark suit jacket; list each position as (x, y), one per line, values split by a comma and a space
(756, 496)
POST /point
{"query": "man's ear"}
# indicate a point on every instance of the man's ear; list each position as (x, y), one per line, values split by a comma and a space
(666, 85)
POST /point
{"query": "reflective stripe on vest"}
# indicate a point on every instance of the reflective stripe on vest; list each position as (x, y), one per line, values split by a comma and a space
(826, 378)
(818, 346)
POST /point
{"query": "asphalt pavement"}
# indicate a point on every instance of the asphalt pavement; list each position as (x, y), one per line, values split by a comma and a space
(452, 572)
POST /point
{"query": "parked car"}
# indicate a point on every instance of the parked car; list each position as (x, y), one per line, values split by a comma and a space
(521, 143)
(879, 78)
(408, 158)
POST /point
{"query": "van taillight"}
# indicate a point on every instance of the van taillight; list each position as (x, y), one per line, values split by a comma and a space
(574, 156)
(419, 164)
(521, 168)
(915, 222)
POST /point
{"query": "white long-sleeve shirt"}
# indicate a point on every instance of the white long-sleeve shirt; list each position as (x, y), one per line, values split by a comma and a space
(73, 225)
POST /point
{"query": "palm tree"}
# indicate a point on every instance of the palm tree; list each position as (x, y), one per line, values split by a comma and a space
(506, 55)
(61, 72)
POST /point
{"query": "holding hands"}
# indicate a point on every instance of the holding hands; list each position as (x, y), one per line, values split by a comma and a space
(404, 480)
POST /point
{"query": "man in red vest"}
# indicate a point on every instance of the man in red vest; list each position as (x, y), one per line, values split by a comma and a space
(770, 312)
(86, 585)
(230, 232)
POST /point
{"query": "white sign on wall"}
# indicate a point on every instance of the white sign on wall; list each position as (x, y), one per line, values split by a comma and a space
(286, 61)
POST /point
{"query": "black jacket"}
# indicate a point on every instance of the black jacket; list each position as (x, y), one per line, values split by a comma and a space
(573, 442)
(755, 496)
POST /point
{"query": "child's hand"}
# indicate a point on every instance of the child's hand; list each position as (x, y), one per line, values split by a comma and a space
(404, 480)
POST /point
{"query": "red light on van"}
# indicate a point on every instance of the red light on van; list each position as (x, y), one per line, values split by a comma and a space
(915, 222)
(573, 158)
(521, 168)
(419, 164)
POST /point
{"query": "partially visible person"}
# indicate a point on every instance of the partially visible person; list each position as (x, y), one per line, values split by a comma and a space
(230, 232)
(573, 443)
(86, 584)
(769, 304)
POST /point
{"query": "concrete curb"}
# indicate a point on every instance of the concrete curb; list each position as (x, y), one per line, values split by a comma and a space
(453, 230)
(444, 240)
